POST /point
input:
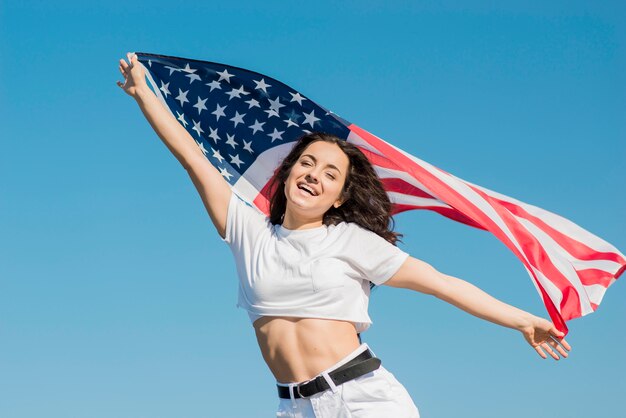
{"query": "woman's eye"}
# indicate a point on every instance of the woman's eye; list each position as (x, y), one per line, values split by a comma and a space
(331, 176)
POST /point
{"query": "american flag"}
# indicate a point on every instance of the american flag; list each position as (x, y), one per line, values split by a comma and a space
(246, 123)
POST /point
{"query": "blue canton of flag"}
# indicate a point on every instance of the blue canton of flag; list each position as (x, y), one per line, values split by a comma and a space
(235, 115)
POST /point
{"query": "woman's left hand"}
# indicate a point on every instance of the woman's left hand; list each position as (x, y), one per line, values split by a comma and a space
(542, 335)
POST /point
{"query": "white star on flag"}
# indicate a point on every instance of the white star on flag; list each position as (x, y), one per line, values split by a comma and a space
(258, 126)
(217, 155)
(224, 75)
(310, 118)
(261, 85)
(231, 140)
(182, 97)
(235, 160)
(200, 105)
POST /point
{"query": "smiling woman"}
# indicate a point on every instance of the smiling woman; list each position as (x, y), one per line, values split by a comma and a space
(305, 271)
(353, 190)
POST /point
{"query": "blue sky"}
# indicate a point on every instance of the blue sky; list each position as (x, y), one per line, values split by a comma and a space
(117, 297)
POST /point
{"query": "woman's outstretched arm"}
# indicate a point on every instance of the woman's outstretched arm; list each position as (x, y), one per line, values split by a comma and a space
(540, 333)
(213, 189)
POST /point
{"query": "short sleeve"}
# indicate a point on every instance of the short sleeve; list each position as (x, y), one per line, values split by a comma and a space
(243, 223)
(376, 257)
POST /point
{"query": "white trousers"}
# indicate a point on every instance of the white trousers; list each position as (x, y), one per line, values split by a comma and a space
(373, 395)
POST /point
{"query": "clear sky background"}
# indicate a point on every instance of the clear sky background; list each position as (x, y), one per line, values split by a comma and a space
(117, 297)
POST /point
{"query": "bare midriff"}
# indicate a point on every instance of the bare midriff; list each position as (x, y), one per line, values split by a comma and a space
(298, 349)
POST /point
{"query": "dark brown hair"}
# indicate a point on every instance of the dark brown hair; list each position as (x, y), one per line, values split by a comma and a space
(365, 201)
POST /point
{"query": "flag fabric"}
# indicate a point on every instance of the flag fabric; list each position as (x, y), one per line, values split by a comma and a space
(246, 123)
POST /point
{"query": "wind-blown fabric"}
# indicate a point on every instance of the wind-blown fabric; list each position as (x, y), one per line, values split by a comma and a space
(246, 123)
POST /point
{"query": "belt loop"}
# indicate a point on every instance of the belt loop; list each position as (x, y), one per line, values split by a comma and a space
(293, 400)
(330, 382)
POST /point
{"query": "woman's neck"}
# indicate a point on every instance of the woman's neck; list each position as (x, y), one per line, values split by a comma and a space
(298, 223)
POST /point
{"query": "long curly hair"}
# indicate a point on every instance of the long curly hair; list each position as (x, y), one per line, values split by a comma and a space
(365, 201)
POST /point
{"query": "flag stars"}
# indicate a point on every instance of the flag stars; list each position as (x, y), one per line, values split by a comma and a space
(296, 98)
(214, 85)
(188, 69)
(237, 119)
(248, 146)
(193, 77)
(181, 118)
(235, 160)
(289, 123)
(231, 140)
(236, 93)
(200, 105)
(182, 97)
(271, 112)
(225, 173)
(172, 69)
(276, 134)
(310, 118)
(224, 75)
(258, 126)
(197, 128)
(219, 112)
(252, 103)
(201, 146)
(165, 88)
(261, 85)
(275, 104)
(213, 135)
(190, 73)
(217, 155)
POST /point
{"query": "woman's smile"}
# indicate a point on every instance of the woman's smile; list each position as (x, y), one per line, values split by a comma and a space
(315, 183)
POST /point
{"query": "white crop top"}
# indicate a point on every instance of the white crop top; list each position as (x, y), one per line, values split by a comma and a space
(322, 272)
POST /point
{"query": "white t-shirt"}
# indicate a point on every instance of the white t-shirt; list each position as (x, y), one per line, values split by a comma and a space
(322, 272)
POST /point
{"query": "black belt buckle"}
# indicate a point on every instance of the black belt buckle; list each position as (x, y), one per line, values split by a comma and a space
(298, 391)
(312, 382)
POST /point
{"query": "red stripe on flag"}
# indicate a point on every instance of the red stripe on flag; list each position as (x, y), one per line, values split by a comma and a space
(400, 186)
(590, 277)
(571, 245)
(532, 248)
(454, 199)
(447, 212)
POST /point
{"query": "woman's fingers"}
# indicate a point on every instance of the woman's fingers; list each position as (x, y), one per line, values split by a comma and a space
(558, 347)
(546, 347)
(565, 344)
(540, 352)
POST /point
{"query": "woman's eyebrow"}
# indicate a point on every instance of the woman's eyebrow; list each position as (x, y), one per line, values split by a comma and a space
(327, 165)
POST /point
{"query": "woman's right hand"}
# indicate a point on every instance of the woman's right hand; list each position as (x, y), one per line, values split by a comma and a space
(134, 75)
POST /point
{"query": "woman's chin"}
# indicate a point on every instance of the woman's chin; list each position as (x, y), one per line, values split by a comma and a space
(304, 206)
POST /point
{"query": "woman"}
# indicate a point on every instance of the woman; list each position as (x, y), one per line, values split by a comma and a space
(305, 271)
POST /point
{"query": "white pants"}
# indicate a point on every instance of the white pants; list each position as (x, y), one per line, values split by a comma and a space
(375, 394)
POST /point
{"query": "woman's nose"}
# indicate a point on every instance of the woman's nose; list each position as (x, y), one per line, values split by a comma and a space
(312, 176)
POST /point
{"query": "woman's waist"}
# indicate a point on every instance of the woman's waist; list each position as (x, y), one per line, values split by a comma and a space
(298, 349)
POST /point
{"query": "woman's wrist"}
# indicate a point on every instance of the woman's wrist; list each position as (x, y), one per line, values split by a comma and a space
(525, 321)
(142, 92)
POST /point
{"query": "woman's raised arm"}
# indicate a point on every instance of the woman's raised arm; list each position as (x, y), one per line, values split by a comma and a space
(540, 333)
(213, 189)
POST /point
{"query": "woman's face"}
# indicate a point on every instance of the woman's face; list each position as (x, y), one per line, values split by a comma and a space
(316, 180)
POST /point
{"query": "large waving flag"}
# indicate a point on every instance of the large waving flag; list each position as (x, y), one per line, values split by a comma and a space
(246, 123)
